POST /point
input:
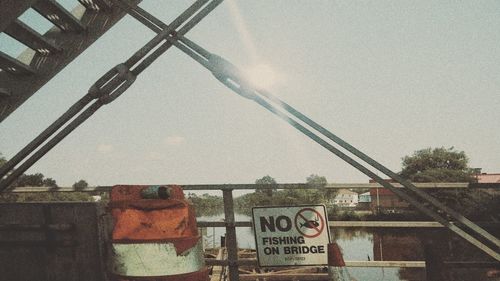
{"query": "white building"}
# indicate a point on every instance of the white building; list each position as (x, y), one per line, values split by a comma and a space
(365, 197)
(346, 198)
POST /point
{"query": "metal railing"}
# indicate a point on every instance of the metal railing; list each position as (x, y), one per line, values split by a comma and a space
(229, 223)
(233, 262)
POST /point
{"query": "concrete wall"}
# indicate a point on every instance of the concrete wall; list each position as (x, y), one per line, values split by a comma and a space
(52, 241)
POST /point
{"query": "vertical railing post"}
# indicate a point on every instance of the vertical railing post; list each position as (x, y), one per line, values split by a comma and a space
(231, 245)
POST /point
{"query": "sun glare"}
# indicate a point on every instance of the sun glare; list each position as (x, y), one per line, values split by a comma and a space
(261, 75)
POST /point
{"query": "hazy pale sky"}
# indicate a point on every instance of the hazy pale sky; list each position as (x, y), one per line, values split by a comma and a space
(390, 77)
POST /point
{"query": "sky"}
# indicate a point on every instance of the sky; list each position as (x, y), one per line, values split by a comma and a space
(389, 77)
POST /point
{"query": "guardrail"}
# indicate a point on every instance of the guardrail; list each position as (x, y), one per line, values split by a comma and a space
(427, 185)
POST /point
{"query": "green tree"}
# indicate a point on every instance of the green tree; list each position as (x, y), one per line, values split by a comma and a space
(449, 165)
(37, 179)
(30, 180)
(206, 204)
(267, 180)
(287, 197)
(316, 181)
(80, 185)
(437, 165)
(320, 182)
(316, 193)
(50, 182)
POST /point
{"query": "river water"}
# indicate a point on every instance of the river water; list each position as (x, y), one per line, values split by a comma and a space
(356, 244)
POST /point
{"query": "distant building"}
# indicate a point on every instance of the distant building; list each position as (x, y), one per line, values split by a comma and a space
(346, 198)
(384, 199)
(365, 200)
(488, 178)
(365, 197)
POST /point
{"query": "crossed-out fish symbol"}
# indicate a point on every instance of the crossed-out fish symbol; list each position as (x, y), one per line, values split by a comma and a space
(310, 223)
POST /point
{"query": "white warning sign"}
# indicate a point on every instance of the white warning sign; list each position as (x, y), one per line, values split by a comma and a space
(296, 235)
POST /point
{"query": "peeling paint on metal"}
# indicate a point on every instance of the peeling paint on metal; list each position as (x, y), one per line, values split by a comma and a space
(155, 259)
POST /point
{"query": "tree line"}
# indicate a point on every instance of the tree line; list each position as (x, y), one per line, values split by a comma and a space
(425, 165)
(39, 180)
(272, 196)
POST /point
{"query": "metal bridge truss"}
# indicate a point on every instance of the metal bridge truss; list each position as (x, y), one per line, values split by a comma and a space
(47, 54)
(117, 80)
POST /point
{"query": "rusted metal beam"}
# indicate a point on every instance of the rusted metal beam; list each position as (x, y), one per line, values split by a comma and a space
(39, 243)
(29, 37)
(36, 227)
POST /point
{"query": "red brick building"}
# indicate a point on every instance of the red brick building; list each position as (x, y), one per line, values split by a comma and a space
(385, 200)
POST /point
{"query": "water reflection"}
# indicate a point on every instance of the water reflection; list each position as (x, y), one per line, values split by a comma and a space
(358, 244)
(244, 235)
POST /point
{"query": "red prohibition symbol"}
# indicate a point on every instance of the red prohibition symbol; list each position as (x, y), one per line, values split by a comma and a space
(309, 226)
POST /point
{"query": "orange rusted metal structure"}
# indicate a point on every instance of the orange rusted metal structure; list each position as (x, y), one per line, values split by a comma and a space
(336, 265)
(155, 236)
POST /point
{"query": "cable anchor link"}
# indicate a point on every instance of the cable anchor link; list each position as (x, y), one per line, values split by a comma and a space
(112, 84)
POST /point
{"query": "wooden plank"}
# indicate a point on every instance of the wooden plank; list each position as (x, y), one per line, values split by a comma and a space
(285, 277)
(412, 264)
(324, 276)
(218, 270)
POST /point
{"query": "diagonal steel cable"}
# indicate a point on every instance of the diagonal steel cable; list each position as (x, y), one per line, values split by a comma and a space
(230, 76)
(109, 87)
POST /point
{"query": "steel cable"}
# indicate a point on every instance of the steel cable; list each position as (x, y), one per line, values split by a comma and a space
(230, 76)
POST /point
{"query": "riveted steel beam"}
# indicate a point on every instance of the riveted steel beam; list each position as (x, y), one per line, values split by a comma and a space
(98, 5)
(59, 16)
(29, 37)
(11, 10)
(72, 44)
(14, 66)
